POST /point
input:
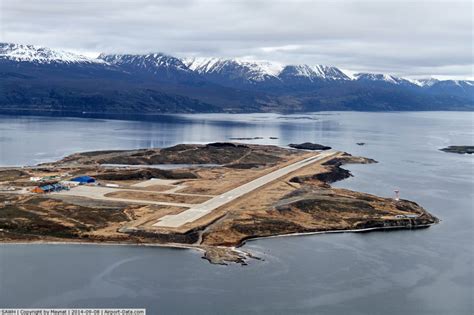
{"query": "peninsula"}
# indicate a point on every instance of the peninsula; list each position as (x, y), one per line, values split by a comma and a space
(210, 197)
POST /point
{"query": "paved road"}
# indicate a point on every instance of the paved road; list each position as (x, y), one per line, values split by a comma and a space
(207, 207)
(97, 192)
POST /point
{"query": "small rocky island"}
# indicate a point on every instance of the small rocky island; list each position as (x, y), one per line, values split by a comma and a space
(309, 146)
(210, 197)
(460, 149)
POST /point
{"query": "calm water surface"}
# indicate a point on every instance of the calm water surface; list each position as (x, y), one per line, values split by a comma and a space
(426, 271)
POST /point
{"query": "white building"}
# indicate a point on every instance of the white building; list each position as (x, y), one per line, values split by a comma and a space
(69, 183)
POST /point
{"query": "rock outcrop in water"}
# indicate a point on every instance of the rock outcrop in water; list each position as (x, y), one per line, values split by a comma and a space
(309, 146)
(460, 149)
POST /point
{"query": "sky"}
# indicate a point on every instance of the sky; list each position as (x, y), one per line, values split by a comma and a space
(410, 38)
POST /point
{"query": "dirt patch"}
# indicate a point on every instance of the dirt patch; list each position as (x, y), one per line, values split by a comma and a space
(144, 217)
(55, 218)
(143, 195)
(156, 187)
(12, 174)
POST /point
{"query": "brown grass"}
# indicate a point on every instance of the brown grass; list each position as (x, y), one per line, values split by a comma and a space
(144, 195)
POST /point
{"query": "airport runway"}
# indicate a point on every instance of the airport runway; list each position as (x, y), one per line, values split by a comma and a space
(207, 207)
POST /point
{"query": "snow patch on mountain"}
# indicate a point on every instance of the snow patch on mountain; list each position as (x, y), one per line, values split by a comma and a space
(251, 70)
(150, 61)
(317, 72)
(427, 82)
(349, 73)
(376, 77)
(260, 70)
(415, 82)
(41, 55)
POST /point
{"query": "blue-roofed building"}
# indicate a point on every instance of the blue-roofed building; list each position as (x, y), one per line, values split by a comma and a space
(83, 179)
(49, 188)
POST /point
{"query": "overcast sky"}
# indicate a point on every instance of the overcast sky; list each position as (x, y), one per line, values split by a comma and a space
(408, 38)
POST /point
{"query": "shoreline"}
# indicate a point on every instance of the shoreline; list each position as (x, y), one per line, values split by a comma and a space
(236, 249)
(374, 229)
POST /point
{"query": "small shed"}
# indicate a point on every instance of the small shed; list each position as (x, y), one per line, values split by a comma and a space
(83, 179)
(38, 190)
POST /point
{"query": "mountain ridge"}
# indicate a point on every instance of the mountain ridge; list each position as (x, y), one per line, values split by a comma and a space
(19, 52)
(160, 83)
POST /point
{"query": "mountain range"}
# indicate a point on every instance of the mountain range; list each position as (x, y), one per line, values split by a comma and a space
(42, 80)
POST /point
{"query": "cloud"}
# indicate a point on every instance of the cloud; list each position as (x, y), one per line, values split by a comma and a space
(281, 48)
(410, 38)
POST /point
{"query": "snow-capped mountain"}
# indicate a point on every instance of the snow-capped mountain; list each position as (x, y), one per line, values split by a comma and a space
(312, 73)
(451, 87)
(235, 69)
(238, 70)
(160, 66)
(149, 62)
(375, 77)
(426, 82)
(41, 55)
(261, 71)
(38, 77)
(385, 79)
(421, 83)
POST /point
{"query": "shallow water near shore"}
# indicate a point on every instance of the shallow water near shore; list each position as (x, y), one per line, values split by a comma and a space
(427, 271)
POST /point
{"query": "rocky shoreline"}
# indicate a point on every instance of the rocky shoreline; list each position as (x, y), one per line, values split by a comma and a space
(219, 255)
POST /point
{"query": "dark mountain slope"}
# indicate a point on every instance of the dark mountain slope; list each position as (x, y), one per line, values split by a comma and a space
(37, 79)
